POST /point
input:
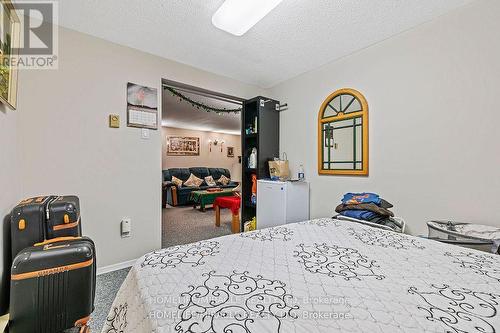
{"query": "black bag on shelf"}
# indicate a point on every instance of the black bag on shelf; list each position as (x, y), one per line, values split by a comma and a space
(53, 286)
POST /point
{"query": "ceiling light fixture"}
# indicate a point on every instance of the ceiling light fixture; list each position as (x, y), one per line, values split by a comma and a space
(239, 16)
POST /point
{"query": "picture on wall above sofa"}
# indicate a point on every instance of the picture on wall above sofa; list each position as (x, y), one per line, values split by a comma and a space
(183, 146)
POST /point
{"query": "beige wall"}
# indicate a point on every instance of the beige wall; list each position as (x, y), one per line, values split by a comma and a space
(10, 189)
(67, 146)
(433, 96)
(214, 159)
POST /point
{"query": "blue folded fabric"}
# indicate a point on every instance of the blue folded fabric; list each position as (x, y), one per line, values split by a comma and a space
(360, 214)
(360, 198)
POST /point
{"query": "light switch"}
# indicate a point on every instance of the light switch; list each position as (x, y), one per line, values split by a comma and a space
(114, 121)
(145, 133)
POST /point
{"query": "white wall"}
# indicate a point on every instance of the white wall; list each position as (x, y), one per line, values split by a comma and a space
(207, 158)
(434, 139)
(67, 147)
(10, 191)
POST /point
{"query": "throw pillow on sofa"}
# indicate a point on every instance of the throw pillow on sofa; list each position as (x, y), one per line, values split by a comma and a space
(223, 180)
(193, 181)
(176, 181)
(210, 181)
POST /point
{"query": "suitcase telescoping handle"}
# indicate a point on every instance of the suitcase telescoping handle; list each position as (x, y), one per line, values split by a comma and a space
(55, 240)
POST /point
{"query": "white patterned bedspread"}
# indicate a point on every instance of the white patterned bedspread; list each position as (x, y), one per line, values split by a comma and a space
(318, 276)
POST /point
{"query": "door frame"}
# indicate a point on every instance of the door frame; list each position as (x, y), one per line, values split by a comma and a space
(196, 90)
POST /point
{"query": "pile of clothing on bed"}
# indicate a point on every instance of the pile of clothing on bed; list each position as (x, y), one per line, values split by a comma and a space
(367, 207)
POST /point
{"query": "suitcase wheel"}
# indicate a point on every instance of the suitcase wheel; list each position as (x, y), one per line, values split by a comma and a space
(84, 329)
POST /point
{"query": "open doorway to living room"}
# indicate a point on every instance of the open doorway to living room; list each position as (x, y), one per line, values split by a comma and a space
(201, 162)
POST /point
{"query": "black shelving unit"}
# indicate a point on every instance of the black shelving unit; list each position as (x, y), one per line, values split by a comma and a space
(265, 139)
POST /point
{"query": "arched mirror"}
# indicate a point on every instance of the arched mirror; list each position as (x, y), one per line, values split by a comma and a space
(343, 134)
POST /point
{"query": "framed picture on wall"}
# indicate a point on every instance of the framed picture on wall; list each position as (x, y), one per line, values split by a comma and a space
(230, 151)
(183, 146)
(9, 46)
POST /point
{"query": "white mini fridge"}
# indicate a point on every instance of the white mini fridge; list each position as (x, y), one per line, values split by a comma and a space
(280, 203)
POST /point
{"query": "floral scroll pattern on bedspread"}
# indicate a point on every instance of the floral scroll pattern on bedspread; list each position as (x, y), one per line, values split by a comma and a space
(238, 302)
(192, 254)
(281, 233)
(478, 263)
(117, 319)
(461, 310)
(316, 276)
(336, 261)
(385, 239)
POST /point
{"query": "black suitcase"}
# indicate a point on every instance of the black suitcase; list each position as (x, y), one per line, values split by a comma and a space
(28, 220)
(36, 219)
(53, 286)
(63, 217)
(6, 260)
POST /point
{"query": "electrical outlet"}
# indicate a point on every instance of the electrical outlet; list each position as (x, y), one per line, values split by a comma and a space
(126, 227)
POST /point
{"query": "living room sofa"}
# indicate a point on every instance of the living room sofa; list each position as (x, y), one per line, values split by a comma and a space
(178, 196)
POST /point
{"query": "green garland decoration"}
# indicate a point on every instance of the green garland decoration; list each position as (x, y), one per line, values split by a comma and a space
(198, 105)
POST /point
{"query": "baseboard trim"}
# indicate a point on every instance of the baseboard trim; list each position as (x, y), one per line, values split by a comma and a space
(115, 267)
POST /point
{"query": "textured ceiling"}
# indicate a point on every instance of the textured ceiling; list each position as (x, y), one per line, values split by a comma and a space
(180, 114)
(299, 35)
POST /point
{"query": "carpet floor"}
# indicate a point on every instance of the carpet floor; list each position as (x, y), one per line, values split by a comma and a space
(184, 225)
(181, 225)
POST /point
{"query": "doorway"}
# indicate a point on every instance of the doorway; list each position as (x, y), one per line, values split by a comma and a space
(201, 144)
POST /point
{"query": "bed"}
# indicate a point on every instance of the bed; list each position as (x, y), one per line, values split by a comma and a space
(322, 275)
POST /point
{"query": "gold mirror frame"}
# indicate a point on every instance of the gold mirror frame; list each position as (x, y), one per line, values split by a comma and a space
(339, 117)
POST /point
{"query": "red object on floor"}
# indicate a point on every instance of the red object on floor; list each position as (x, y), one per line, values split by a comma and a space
(232, 203)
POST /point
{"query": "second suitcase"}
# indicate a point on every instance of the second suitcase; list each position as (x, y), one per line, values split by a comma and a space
(63, 217)
(53, 286)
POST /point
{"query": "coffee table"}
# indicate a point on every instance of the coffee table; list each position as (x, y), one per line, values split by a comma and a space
(204, 198)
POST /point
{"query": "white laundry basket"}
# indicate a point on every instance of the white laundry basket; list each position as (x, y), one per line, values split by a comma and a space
(476, 236)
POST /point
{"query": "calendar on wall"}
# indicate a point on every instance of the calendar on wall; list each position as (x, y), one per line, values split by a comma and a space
(142, 106)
